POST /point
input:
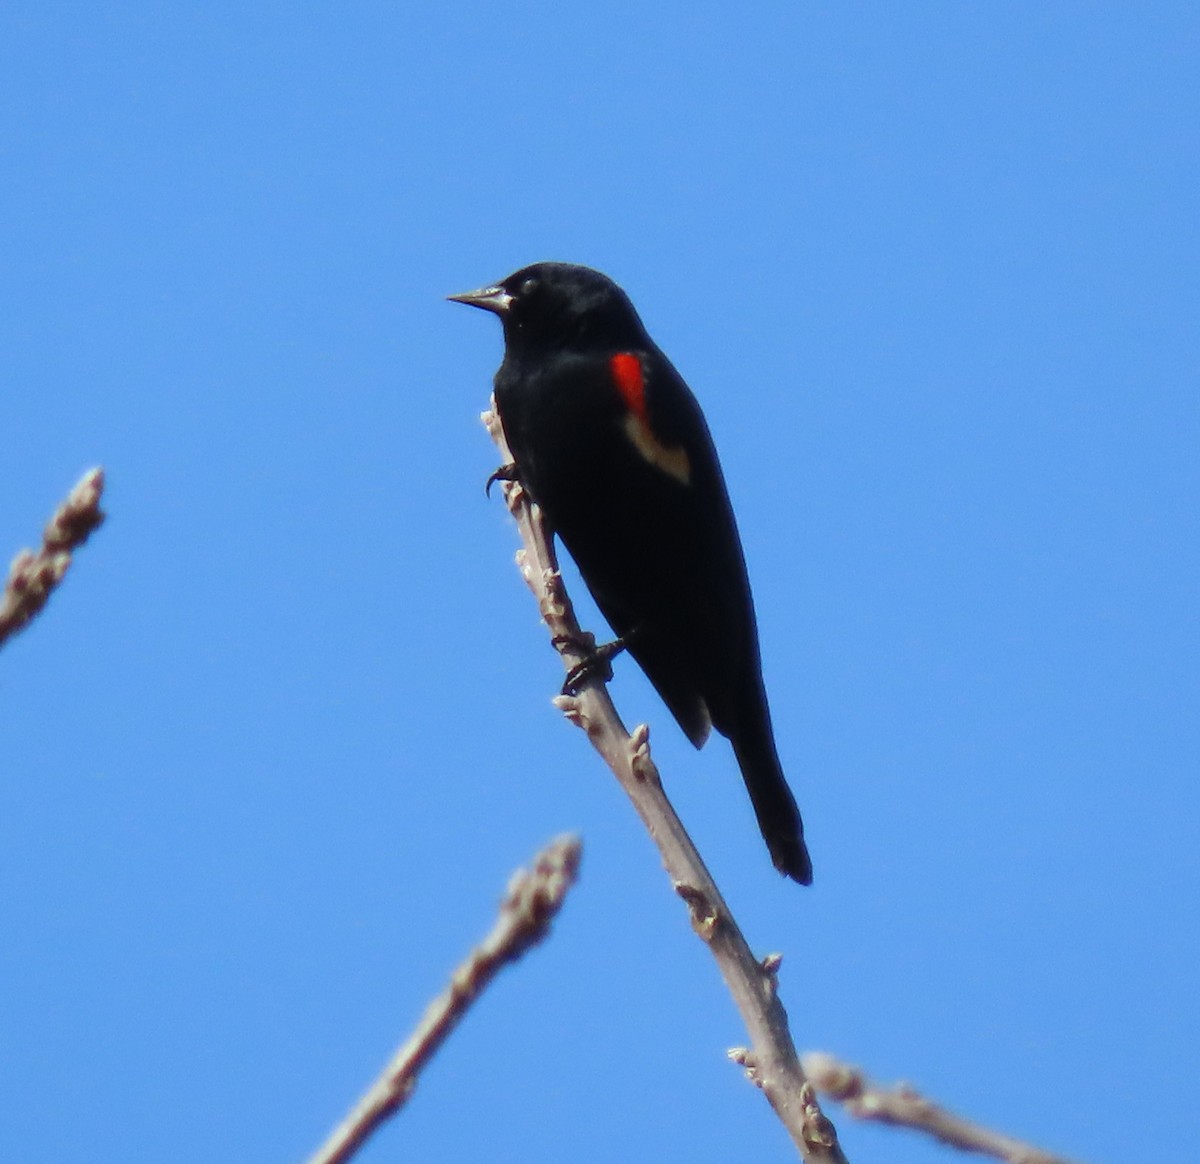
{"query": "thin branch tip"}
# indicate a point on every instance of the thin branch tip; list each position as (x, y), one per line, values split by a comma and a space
(536, 894)
(903, 1106)
(34, 574)
(556, 869)
(79, 515)
(531, 902)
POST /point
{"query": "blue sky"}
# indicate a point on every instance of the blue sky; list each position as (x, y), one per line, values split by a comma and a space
(273, 751)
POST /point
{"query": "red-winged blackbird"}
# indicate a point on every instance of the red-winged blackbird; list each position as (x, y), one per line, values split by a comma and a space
(612, 445)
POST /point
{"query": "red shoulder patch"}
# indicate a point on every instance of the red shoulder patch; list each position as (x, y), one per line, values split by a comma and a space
(626, 371)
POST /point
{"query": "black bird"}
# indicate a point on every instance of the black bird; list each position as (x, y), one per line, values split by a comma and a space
(612, 444)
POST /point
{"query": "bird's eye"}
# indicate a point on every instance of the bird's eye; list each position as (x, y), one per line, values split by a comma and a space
(529, 286)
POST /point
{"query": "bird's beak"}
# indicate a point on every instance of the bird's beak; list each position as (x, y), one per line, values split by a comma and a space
(489, 298)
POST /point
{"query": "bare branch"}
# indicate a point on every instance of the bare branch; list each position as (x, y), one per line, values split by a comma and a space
(34, 574)
(530, 905)
(901, 1106)
(771, 1061)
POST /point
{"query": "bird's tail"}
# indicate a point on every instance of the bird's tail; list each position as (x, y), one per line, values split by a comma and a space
(778, 816)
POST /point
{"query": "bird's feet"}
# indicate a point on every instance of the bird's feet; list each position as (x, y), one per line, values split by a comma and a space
(596, 662)
(504, 473)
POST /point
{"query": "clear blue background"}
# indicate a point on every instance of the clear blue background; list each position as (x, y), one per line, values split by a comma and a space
(273, 751)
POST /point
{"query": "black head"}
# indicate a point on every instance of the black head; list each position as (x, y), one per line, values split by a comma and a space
(560, 303)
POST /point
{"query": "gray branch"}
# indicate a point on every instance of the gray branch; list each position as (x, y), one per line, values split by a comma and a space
(902, 1106)
(530, 905)
(770, 1061)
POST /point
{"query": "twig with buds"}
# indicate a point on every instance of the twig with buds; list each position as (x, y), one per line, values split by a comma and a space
(533, 899)
(902, 1106)
(770, 1061)
(35, 573)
